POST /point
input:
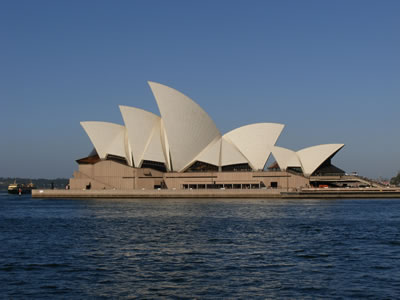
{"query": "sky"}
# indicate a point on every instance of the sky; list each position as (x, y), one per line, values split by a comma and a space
(328, 70)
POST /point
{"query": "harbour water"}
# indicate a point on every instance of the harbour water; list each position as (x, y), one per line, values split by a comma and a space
(197, 248)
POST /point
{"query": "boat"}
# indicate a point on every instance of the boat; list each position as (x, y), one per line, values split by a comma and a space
(19, 188)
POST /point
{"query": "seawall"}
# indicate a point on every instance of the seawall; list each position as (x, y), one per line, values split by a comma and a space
(343, 193)
(367, 193)
(156, 193)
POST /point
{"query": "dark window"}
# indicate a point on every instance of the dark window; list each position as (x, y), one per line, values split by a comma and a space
(117, 158)
(328, 169)
(200, 166)
(155, 165)
(237, 167)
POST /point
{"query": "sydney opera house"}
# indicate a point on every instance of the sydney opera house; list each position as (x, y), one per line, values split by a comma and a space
(183, 149)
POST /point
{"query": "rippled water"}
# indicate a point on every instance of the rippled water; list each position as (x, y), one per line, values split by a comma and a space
(193, 248)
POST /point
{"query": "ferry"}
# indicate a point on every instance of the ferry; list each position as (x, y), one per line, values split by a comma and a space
(18, 188)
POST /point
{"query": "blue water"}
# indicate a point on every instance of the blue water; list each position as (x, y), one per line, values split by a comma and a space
(203, 249)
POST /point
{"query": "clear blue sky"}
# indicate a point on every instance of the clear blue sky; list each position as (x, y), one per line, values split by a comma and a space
(328, 70)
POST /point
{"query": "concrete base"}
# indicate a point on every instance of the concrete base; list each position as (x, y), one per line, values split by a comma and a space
(343, 193)
(256, 193)
(362, 193)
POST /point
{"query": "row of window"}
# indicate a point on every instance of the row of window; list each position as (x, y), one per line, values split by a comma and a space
(228, 186)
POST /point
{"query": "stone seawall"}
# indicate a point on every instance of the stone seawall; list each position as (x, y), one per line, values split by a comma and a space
(157, 193)
(343, 193)
(360, 193)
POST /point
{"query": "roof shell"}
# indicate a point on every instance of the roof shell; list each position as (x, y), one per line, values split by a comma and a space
(188, 127)
(143, 128)
(312, 157)
(230, 154)
(154, 149)
(285, 157)
(107, 138)
(211, 154)
(255, 141)
(165, 146)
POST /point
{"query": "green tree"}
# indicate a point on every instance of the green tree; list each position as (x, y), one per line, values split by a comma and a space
(395, 180)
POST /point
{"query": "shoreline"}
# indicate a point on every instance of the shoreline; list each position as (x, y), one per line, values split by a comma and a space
(310, 193)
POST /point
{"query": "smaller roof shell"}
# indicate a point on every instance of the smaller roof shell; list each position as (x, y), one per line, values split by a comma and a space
(154, 149)
(211, 154)
(255, 141)
(141, 126)
(221, 152)
(285, 157)
(107, 138)
(312, 157)
(230, 154)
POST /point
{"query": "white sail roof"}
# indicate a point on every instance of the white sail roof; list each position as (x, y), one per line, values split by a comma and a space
(312, 157)
(165, 146)
(107, 138)
(188, 127)
(285, 157)
(154, 147)
(142, 127)
(230, 154)
(255, 141)
(221, 152)
(211, 154)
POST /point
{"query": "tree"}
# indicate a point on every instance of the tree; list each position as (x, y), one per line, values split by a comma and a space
(395, 180)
